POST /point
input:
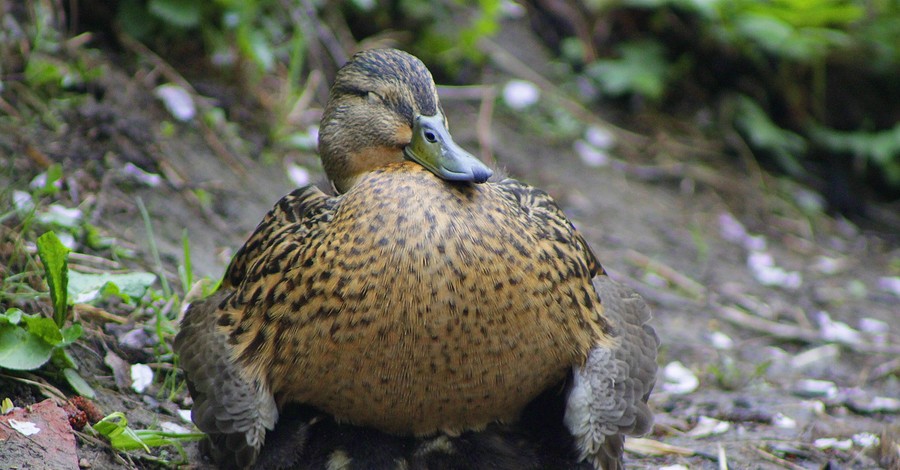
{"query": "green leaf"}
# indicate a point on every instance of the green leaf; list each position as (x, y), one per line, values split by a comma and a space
(43, 328)
(181, 13)
(641, 69)
(881, 147)
(53, 174)
(71, 333)
(134, 20)
(78, 384)
(85, 287)
(53, 254)
(61, 358)
(40, 71)
(22, 350)
(765, 135)
(115, 428)
(12, 316)
(259, 48)
(6, 406)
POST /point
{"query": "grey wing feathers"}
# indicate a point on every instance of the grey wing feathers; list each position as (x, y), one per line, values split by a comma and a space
(638, 347)
(235, 413)
(609, 395)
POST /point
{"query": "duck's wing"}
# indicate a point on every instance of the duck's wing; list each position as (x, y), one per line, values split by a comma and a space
(234, 410)
(297, 211)
(608, 395)
(549, 221)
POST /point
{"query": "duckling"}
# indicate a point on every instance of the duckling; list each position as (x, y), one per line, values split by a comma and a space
(421, 310)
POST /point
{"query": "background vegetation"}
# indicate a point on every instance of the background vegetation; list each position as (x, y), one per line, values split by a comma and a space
(808, 89)
(808, 84)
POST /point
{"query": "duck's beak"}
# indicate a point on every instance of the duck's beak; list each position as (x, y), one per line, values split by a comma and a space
(433, 147)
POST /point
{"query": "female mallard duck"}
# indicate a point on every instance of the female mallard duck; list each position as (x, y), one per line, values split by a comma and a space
(421, 312)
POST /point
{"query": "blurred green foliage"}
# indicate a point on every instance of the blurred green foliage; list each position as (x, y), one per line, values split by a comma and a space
(786, 69)
(807, 83)
(276, 38)
(255, 32)
(267, 32)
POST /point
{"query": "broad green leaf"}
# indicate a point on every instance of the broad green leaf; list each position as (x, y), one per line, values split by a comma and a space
(22, 350)
(6, 406)
(43, 328)
(78, 383)
(53, 254)
(85, 287)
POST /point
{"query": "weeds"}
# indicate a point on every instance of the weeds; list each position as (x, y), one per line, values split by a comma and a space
(41, 290)
(796, 78)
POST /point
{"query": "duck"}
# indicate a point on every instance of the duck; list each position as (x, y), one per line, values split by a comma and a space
(427, 315)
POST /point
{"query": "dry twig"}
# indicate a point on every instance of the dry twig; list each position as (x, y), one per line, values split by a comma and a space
(644, 446)
(775, 459)
(796, 333)
(85, 310)
(682, 281)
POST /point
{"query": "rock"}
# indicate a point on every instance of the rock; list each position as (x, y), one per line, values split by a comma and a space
(52, 447)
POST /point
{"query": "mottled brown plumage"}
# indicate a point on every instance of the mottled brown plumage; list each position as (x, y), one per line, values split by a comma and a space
(411, 305)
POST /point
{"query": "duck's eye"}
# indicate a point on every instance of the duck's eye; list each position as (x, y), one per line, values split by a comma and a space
(373, 97)
(430, 137)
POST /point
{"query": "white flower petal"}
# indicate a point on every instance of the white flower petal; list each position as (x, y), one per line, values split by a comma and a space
(707, 426)
(26, 428)
(297, 174)
(141, 377)
(520, 94)
(177, 101)
(590, 155)
(679, 379)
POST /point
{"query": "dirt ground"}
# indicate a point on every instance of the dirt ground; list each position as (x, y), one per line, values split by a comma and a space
(695, 235)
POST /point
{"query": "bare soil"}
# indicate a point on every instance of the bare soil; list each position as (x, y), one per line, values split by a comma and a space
(655, 222)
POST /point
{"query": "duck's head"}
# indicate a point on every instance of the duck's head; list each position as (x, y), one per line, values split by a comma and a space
(384, 108)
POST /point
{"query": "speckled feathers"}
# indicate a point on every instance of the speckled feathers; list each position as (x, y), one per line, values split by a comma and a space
(418, 317)
(413, 311)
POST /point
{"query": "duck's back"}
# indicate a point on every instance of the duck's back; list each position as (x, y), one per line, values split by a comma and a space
(413, 304)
